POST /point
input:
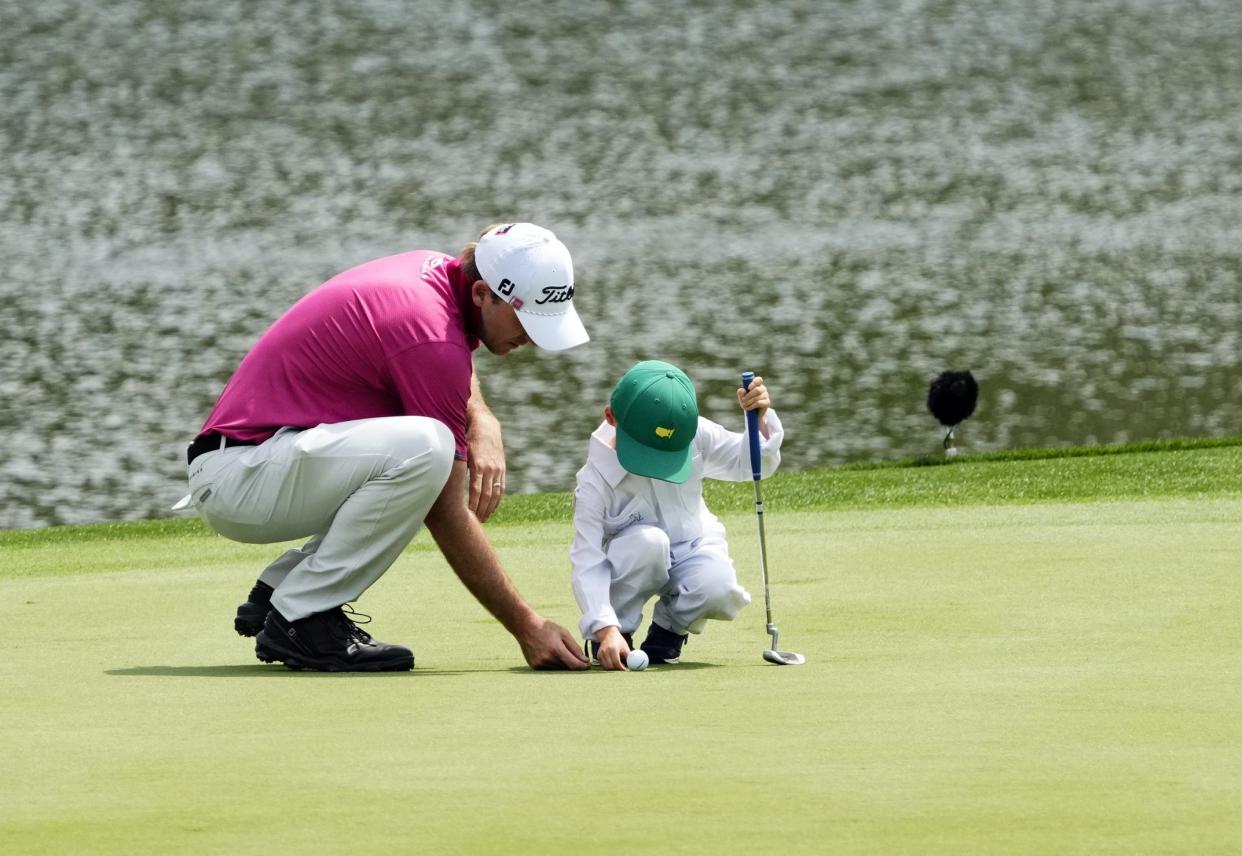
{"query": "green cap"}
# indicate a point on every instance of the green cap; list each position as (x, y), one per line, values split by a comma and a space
(657, 416)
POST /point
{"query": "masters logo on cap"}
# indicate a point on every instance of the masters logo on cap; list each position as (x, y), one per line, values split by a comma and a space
(531, 270)
(657, 416)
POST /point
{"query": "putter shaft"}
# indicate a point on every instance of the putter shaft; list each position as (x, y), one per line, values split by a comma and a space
(772, 655)
(763, 559)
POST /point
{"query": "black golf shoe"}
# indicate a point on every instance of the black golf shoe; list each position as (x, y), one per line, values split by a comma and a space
(252, 613)
(328, 642)
(663, 646)
(591, 648)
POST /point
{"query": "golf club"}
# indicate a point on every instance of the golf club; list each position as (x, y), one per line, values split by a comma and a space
(773, 654)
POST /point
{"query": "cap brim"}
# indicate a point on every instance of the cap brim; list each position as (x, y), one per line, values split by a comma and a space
(554, 332)
(654, 463)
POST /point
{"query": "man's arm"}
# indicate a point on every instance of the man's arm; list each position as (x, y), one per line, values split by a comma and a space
(485, 454)
(545, 644)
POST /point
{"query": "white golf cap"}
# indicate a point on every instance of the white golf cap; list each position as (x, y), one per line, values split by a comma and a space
(528, 267)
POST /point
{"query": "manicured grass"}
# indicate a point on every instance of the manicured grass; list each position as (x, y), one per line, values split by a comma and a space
(1047, 475)
(1029, 677)
(1192, 467)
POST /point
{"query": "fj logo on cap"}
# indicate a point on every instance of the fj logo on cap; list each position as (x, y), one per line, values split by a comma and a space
(506, 287)
(664, 433)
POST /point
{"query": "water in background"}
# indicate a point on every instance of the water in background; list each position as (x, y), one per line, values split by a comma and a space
(846, 197)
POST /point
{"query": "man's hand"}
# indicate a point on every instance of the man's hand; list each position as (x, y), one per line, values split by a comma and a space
(756, 398)
(485, 454)
(612, 649)
(465, 547)
(547, 645)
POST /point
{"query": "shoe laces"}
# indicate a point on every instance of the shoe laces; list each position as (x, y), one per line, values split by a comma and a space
(350, 619)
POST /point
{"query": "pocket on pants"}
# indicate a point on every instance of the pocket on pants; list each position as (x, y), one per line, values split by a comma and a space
(249, 495)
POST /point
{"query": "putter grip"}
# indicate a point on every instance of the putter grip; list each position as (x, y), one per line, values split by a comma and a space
(752, 432)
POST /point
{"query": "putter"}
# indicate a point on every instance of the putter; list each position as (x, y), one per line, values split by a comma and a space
(773, 654)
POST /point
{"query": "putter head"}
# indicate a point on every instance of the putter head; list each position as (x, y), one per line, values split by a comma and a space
(781, 658)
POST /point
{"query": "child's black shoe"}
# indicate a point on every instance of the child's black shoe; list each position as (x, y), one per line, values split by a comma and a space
(663, 646)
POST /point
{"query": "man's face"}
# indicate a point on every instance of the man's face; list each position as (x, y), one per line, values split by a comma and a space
(502, 331)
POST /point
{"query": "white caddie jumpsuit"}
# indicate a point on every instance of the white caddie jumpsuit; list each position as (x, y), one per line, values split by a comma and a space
(636, 538)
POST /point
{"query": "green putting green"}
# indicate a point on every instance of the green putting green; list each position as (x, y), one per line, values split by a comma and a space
(1055, 677)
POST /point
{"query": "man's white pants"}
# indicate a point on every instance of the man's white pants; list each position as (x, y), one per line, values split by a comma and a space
(359, 490)
(695, 580)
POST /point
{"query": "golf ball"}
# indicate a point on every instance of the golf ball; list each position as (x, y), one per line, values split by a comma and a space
(637, 661)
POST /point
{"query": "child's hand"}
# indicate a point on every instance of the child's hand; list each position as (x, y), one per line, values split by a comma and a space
(756, 398)
(612, 649)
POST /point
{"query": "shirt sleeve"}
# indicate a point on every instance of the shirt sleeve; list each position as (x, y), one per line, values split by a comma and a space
(726, 454)
(433, 379)
(592, 572)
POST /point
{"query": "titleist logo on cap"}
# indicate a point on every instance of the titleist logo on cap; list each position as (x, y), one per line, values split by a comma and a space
(556, 294)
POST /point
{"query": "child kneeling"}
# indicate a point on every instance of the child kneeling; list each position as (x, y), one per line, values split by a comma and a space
(641, 528)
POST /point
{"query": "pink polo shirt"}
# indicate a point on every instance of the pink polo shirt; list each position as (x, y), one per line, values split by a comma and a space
(391, 337)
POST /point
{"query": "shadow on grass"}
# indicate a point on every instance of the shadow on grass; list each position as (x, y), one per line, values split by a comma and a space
(259, 671)
(679, 667)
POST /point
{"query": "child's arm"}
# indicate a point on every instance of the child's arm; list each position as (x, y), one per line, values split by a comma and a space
(592, 575)
(726, 454)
